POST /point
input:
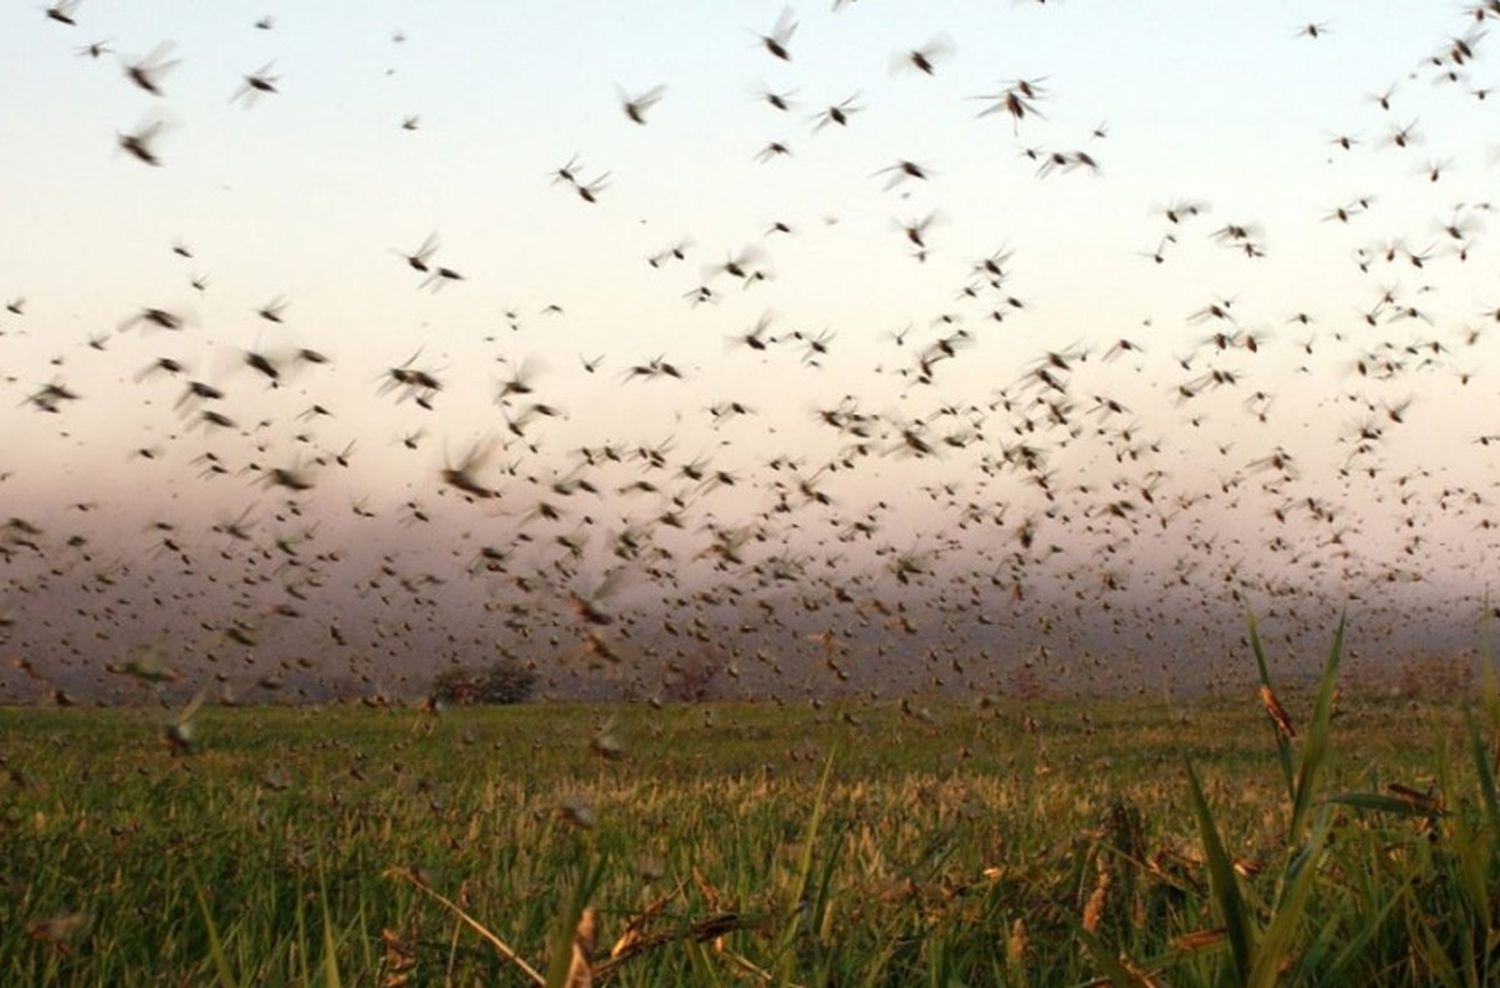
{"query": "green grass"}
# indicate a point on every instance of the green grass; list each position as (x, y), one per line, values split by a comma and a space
(750, 844)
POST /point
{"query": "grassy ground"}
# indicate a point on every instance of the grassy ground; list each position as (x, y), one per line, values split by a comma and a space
(1026, 843)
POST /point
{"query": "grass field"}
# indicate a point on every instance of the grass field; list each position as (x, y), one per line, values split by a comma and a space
(1036, 843)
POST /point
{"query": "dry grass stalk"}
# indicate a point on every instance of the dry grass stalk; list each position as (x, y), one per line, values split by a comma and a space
(500, 946)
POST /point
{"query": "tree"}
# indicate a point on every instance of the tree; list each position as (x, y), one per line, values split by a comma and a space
(506, 680)
(691, 680)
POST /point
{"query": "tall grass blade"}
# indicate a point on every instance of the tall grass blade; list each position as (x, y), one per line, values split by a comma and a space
(1488, 678)
(1225, 886)
(215, 946)
(1483, 770)
(1290, 909)
(1283, 743)
(800, 905)
(1351, 949)
(561, 966)
(330, 944)
(1315, 749)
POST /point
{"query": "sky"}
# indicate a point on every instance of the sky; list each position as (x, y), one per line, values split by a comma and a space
(313, 193)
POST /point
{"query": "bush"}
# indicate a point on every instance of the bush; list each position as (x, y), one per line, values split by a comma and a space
(506, 680)
(691, 680)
